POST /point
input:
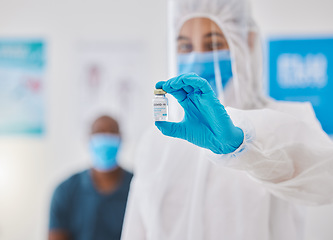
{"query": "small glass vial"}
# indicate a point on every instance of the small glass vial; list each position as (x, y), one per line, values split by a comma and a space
(160, 105)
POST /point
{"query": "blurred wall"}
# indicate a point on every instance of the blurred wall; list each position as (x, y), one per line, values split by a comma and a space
(294, 16)
(31, 167)
(306, 18)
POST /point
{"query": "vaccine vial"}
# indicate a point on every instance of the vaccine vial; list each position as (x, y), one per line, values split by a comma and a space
(160, 105)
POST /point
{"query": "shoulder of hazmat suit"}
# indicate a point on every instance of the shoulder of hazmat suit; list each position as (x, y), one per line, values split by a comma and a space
(258, 192)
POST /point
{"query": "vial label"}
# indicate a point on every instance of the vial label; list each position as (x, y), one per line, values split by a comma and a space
(160, 109)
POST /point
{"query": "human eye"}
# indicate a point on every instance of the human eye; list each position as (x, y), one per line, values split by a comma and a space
(210, 46)
(184, 47)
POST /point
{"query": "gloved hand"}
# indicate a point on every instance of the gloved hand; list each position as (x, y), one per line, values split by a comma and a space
(206, 123)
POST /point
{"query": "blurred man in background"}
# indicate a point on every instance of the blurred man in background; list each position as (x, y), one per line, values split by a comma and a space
(90, 205)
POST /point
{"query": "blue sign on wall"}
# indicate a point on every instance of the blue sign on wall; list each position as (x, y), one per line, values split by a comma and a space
(22, 73)
(302, 70)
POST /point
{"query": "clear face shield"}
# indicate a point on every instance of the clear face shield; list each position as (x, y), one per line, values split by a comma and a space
(211, 38)
(203, 49)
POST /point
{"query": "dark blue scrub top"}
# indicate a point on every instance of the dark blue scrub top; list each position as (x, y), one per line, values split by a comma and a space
(78, 208)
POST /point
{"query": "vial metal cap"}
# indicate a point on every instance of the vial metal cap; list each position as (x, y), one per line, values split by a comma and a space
(159, 92)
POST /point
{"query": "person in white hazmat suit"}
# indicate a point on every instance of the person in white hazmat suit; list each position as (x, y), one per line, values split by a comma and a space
(244, 172)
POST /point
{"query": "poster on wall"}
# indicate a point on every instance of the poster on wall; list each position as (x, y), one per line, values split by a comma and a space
(22, 75)
(114, 80)
(301, 69)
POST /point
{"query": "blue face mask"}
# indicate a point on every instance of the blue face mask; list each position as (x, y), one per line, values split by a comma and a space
(203, 65)
(104, 149)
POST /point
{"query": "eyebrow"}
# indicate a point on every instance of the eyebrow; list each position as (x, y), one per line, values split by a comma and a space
(211, 34)
(182, 38)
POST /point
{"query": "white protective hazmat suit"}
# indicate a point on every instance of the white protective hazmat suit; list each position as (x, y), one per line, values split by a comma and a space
(184, 192)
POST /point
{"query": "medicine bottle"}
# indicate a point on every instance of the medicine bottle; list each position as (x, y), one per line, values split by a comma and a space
(160, 105)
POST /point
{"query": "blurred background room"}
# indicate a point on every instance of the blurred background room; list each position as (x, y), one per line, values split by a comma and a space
(64, 63)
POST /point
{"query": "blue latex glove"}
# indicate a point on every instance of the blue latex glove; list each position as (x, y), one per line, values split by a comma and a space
(206, 123)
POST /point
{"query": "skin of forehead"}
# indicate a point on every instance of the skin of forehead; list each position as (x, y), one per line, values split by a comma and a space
(196, 28)
(105, 124)
(204, 25)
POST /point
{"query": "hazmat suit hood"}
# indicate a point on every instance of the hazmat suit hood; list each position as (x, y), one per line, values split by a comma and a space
(234, 19)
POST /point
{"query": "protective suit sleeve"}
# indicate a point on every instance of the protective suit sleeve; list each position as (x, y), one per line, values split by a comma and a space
(133, 227)
(291, 156)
